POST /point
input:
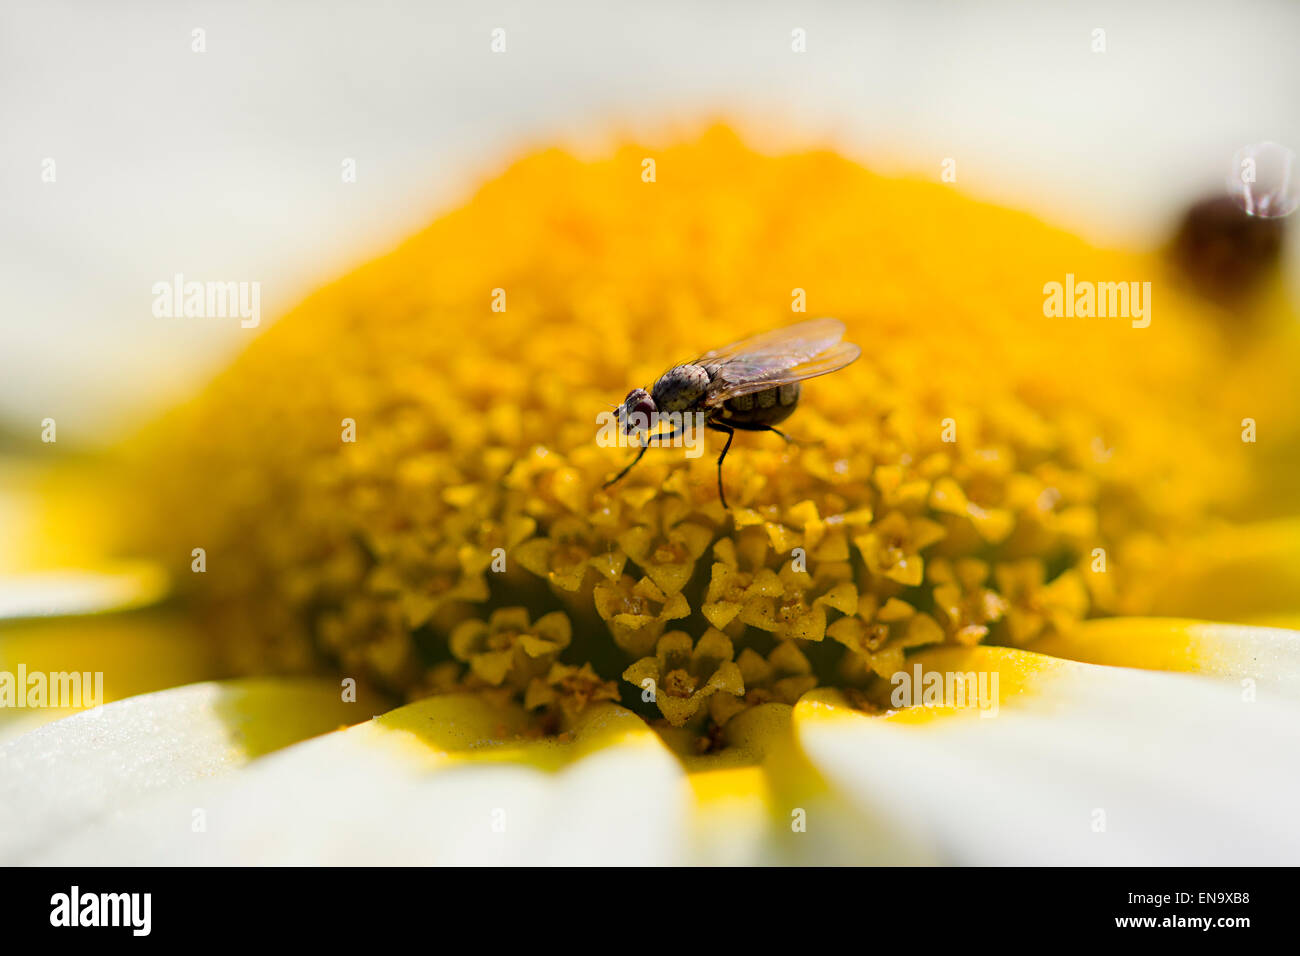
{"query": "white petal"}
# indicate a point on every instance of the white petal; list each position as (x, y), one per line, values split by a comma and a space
(1269, 657)
(1082, 764)
(77, 772)
(80, 590)
(428, 783)
(761, 802)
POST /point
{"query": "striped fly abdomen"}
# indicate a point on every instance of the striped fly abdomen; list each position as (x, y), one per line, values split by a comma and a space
(759, 409)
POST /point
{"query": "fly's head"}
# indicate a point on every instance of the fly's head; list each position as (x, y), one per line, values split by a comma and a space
(637, 411)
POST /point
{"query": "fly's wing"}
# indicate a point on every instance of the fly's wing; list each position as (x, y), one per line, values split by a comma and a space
(795, 343)
(744, 378)
(792, 354)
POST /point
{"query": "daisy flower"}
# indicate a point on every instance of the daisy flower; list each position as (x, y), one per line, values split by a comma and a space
(1021, 591)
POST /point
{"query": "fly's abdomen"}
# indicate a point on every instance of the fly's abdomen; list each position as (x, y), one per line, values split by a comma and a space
(767, 407)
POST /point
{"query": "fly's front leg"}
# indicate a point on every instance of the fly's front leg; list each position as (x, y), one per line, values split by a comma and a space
(631, 465)
(645, 444)
(730, 433)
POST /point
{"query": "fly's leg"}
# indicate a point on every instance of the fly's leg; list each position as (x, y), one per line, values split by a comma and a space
(730, 433)
(645, 443)
(631, 465)
(800, 442)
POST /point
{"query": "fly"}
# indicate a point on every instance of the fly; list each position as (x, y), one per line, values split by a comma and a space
(750, 385)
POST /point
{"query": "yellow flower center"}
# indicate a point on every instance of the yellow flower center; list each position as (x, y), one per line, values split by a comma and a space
(414, 447)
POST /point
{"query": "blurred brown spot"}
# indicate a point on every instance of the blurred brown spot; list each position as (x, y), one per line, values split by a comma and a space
(1226, 254)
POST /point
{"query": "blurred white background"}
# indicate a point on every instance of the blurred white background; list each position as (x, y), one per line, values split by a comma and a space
(225, 165)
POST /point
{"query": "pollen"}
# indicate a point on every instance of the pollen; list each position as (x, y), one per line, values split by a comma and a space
(954, 486)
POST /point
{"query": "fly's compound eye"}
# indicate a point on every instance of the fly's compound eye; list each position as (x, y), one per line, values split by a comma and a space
(637, 411)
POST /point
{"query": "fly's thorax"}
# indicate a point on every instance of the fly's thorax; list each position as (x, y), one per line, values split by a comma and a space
(680, 388)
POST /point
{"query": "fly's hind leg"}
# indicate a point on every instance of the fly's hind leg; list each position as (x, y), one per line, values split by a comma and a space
(798, 442)
(730, 433)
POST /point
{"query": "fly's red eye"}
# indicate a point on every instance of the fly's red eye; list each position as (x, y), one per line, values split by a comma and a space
(637, 411)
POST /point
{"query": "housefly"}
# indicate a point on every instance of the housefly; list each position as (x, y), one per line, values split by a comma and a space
(750, 385)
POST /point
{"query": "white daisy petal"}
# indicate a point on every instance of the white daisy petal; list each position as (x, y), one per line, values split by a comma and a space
(438, 781)
(1081, 764)
(761, 802)
(117, 587)
(1269, 657)
(78, 772)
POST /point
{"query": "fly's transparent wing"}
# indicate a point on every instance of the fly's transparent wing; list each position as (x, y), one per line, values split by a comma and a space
(744, 376)
(780, 347)
(796, 352)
